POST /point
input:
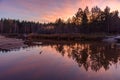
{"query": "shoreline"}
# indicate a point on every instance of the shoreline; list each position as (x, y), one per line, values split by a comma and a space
(11, 43)
(66, 37)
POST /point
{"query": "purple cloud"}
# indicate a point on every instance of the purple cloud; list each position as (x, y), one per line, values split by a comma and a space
(49, 10)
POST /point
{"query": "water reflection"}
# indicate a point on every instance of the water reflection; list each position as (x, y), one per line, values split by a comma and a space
(61, 61)
(93, 56)
(90, 55)
(18, 49)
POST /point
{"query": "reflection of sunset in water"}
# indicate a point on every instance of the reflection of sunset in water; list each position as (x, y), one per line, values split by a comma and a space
(62, 61)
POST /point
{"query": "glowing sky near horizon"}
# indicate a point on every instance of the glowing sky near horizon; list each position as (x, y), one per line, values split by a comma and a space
(49, 10)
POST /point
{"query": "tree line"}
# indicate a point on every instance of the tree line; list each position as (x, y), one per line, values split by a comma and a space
(84, 21)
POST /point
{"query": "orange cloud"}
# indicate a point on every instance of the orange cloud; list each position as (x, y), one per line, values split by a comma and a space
(50, 10)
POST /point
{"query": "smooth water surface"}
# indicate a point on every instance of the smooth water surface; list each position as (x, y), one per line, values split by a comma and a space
(62, 61)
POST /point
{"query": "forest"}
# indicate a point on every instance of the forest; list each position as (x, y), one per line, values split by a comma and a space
(84, 21)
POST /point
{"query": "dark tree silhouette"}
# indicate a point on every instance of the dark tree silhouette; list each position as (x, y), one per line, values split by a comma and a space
(84, 21)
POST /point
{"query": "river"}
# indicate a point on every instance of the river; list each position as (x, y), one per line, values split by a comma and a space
(62, 61)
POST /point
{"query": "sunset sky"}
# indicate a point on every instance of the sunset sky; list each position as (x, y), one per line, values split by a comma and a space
(49, 10)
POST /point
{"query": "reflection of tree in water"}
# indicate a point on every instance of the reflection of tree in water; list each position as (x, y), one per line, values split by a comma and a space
(90, 55)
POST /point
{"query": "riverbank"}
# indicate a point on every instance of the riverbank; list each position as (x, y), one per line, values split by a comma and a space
(13, 41)
(67, 37)
(10, 43)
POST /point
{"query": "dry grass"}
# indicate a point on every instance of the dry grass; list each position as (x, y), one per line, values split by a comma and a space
(76, 37)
